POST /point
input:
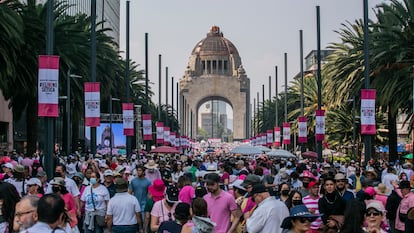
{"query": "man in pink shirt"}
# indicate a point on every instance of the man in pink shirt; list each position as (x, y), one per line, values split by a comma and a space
(221, 206)
(407, 202)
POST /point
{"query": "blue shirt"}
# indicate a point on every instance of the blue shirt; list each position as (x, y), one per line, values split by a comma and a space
(139, 187)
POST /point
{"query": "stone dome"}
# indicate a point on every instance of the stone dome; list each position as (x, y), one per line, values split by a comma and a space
(215, 45)
(214, 55)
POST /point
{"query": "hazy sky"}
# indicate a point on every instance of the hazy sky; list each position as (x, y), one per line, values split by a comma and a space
(261, 30)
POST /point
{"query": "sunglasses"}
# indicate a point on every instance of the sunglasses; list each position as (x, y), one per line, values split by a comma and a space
(30, 185)
(303, 220)
(373, 213)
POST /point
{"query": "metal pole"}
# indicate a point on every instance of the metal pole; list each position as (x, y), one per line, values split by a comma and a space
(148, 143)
(166, 96)
(354, 128)
(110, 125)
(137, 127)
(270, 96)
(258, 113)
(191, 123)
(286, 89)
(172, 103)
(254, 116)
(49, 121)
(68, 116)
(301, 72)
(367, 138)
(318, 30)
(159, 87)
(93, 65)
(277, 99)
(263, 108)
(127, 80)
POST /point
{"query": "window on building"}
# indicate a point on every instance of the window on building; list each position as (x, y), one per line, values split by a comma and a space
(220, 66)
(203, 64)
(225, 65)
(209, 67)
(3, 132)
(214, 66)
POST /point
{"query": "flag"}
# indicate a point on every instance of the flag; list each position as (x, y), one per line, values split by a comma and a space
(147, 127)
(303, 131)
(320, 125)
(286, 133)
(48, 86)
(368, 112)
(160, 132)
(277, 136)
(128, 118)
(92, 104)
(269, 137)
(166, 135)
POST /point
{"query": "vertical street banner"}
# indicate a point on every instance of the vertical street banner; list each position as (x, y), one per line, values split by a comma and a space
(166, 135)
(263, 141)
(172, 139)
(286, 133)
(277, 136)
(269, 137)
(368, 112)
(303, 131)
(92, 104)
(147, 127)
(128, 118)
(160, 132)
(320, 125)
(48, 86)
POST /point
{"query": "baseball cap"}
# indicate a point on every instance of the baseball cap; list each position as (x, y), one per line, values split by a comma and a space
(108, 172)
(251, 180)
(8, 165)
(313, 183)
(258, 188)
(172, 194)
(41, 174)
(376, 205)
(33, 181)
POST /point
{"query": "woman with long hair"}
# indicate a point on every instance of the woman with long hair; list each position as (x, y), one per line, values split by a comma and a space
(177, 172)
(284, 191)
(354, 217)
(8, 199)
(294, 199)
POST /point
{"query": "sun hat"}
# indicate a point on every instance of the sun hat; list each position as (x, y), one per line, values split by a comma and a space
(34, 181)
(171, 194)
(42, 174)
(340, 176)
(19, 168)
(382, 189)
(151, 164)
(77, 174)
(299, 211)
(120, 168)
(211, 169)
(307, 174)
(157, 189)
(237, 184)
(121, 185)
(371, 170)
(58, 181)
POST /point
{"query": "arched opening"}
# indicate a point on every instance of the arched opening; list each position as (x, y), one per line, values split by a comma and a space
(215, 119)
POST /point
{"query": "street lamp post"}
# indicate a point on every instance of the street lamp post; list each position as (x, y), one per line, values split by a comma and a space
(137, 127)
(68, 112)
(110, 122)
(353, 127)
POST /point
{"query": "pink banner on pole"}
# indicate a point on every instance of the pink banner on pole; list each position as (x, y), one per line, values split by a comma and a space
(263, 139)
(128, 118)
(277, 136)
(166, 135)
(172, 139)
(303, 131)
(286, 133)
(147, 127)
(48, 86)
(92, 104)
(269, 137)
(320, 125)
(368, 112)
(160, 132)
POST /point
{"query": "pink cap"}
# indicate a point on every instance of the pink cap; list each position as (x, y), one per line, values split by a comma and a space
(242, 177)
(370, 191)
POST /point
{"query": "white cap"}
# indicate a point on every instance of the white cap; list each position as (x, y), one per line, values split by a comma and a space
(108, 172)
(33, 181)
(8, 165)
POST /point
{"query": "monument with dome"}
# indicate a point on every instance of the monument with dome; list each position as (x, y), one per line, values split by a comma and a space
(214, 72)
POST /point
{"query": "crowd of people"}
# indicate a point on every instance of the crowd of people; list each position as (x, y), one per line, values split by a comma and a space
(204, 193)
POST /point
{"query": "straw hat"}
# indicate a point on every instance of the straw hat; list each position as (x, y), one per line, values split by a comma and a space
(382, 189)
(151, 164)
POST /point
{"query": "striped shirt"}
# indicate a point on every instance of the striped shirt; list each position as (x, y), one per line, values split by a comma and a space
(312, 204)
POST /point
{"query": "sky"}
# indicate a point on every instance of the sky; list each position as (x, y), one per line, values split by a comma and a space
(261, 30)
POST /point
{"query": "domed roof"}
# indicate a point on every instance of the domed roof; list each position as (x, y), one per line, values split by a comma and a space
(215, 45)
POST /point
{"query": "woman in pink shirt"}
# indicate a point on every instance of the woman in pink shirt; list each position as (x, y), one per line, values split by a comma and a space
(187, 192)
(407, 202)
(58, 186)
(382, 193)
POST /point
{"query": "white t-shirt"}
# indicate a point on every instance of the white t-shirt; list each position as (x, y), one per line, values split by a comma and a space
(100, 195)
(123, 208)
